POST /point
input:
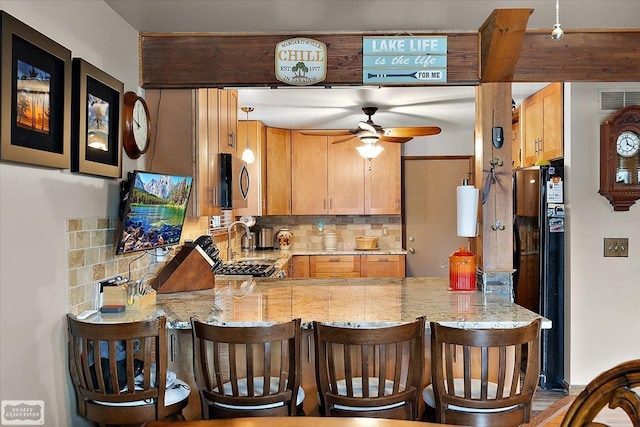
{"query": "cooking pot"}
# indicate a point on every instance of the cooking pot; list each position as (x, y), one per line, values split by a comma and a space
(265, 238)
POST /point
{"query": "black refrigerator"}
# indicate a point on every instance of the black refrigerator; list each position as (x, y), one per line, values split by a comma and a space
(539, 227)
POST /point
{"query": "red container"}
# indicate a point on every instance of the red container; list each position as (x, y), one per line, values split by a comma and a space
(462, 270)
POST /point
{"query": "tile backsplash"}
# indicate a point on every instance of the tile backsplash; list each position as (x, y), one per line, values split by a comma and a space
(91, 248)
(307, 236)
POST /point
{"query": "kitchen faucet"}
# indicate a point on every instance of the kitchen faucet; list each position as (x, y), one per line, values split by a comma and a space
(229, 249)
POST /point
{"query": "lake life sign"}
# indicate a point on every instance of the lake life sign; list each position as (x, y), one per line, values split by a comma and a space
(404, 60)
(301, 61)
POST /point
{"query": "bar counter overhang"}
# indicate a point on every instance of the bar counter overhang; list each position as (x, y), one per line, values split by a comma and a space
(354, 302)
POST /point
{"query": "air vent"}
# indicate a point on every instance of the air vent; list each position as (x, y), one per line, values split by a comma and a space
(615, 100)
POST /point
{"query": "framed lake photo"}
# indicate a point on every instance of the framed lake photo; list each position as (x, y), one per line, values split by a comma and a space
(35, 102)
(96, 145)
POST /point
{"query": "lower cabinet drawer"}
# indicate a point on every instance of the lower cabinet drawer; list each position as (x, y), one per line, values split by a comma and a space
(334, 266)
(382, 266)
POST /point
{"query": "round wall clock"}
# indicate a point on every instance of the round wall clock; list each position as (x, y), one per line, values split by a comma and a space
(136, 125)
(620, 158)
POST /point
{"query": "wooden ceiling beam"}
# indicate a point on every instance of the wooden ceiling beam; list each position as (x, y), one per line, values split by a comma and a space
(501, 37)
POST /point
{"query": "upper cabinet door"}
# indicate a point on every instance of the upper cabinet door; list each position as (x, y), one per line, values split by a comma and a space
(227, 121)
(278, 171)
(308, 174)
(542, 125)
(345, 178)
(382, 181)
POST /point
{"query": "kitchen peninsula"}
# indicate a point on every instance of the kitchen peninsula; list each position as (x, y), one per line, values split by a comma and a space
(355, 302)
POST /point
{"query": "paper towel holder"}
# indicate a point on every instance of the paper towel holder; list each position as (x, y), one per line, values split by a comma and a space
(468, 216)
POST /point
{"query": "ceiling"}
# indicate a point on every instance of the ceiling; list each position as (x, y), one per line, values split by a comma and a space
(320, 108)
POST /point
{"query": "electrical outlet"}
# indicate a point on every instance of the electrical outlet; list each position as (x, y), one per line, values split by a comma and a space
(385, 231)
(616, 247)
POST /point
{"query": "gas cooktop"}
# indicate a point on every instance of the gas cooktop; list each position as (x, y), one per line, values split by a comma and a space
(247, 268)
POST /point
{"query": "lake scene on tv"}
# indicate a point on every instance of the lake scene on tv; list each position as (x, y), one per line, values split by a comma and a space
(155, 211)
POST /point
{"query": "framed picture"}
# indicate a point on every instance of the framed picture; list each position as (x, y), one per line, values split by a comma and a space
(35, 101)
(96, 146)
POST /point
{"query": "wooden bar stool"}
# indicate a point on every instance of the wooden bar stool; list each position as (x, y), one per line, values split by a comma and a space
(248, 371)
(483, 377)
(119, 372)
(370, 372)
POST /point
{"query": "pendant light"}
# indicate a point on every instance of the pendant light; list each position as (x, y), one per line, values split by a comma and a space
(557, 32)
(247, 154)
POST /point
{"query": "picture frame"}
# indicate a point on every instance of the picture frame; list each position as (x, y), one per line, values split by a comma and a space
(35, 101)
(97, 102)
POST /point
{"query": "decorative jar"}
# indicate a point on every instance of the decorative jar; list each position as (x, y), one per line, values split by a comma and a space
(285, 238)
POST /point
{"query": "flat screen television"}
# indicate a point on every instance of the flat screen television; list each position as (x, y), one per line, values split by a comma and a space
(152, 210)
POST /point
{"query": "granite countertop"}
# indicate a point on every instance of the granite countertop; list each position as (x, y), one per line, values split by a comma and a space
(355, 302)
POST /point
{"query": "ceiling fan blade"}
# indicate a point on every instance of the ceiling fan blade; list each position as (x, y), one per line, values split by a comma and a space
(397, 139)
(339, 140)
(328, 132)
(412, 131)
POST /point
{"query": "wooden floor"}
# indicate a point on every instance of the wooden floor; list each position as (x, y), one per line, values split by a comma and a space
(549, 408)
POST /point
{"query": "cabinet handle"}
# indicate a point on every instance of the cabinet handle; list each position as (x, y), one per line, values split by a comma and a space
(324, 203)
(232, 142)
(309, 348)
(334, 260)
(383, 259)
(330, 203)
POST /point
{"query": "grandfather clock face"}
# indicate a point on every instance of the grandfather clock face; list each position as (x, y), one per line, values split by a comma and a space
(628, 157)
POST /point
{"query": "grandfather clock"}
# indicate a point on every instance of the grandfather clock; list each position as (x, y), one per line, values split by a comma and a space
(620, 158)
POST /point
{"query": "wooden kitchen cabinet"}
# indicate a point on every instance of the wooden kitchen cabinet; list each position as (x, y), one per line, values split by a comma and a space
(340, 180)
(382, 265)
(254, 133)
(382, 190)
(528, 194)
(334, 266)
(278, 170)
(227, 121)
(345, 178)
(186, 142)
(299, 266)
(528, 293)
(516, 140)
(309, 191)
(542, 125)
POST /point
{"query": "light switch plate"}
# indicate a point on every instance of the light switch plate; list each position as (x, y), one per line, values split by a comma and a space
(616, 247)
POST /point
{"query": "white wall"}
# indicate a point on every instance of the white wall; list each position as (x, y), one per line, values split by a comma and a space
(604, 300)
(34, 205)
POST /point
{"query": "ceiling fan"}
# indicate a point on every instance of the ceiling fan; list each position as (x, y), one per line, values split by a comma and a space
(370, 133)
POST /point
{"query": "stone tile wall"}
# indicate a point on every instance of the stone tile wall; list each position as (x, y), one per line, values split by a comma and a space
(388, 229)
(92, 257)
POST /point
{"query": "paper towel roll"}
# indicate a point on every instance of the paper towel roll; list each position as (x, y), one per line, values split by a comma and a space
(467, 201)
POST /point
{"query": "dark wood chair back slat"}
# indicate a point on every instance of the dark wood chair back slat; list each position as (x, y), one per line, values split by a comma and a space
(377, 371)
(484, 376)
(618, 387)
(247, 371)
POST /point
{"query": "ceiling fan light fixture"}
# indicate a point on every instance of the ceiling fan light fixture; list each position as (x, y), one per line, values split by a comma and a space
(369, 151)
(369, 139)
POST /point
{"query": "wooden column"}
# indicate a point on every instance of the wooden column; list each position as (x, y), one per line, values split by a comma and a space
(495, 242)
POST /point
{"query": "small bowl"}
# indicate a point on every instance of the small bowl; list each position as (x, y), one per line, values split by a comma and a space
(364, 242)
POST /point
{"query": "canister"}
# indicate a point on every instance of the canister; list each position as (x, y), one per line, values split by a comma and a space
(330, 241)
(462, 270)
(284, 238)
